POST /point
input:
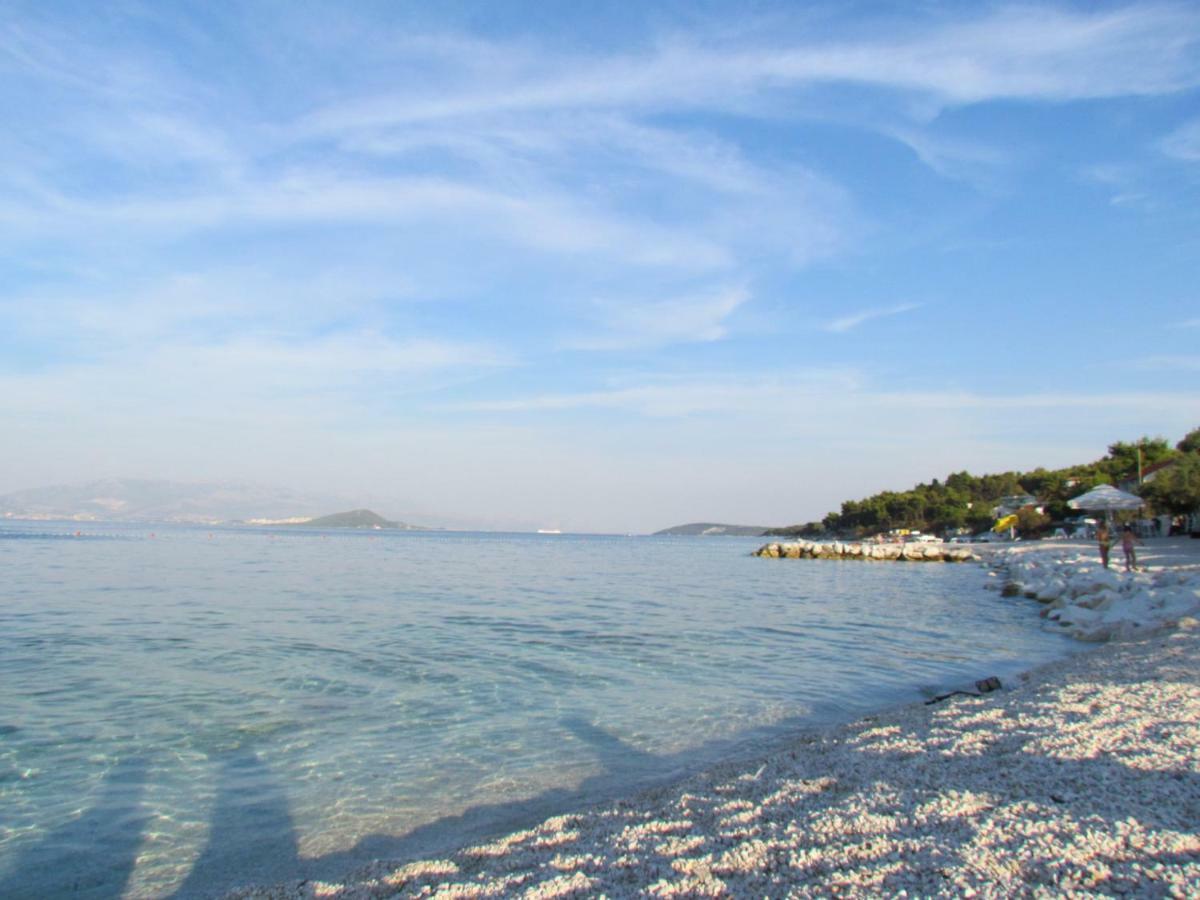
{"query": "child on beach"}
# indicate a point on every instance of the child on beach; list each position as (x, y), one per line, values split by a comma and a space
(1104, 539)
(1128, 539)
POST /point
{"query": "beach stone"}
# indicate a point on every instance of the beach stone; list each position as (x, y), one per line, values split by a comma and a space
(1091, 582)
(866, 551)
(1051, 590)
(1097, 635)
(1081, 782)
(1102, 598)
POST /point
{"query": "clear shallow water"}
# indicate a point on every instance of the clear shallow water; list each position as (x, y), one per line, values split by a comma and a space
(185, 709)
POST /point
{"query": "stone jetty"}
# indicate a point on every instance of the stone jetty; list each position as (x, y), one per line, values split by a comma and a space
(867, 551)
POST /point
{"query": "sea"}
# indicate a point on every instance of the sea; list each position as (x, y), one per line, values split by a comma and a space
(188, 709)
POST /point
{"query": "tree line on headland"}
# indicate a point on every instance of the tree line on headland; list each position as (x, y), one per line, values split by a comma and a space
(966, 501)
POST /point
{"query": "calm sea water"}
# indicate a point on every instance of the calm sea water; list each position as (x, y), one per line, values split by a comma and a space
(186, 709)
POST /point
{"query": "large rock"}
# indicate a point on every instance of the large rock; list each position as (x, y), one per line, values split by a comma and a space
(867, 551)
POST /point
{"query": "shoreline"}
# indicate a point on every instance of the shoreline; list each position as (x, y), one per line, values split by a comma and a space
(1080, 775)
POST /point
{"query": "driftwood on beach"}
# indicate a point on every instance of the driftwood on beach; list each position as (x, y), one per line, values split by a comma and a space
(866, 551)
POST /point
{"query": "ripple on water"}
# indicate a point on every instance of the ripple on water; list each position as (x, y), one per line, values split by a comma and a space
(212, 697)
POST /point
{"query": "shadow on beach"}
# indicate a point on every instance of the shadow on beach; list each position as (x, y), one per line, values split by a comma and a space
(253, 838)
(90, 857)
(1010, 770)
(251, 830)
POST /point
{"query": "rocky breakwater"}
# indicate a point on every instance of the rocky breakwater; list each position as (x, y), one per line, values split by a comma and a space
(866, 551)
(1093, 603)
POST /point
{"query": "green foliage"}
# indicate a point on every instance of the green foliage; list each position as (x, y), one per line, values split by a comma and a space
(1123, 459)
(1031, 523)
(1176, 489)
(966, 500)
(1190, 442)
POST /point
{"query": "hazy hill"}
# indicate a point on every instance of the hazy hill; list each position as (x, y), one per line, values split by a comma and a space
(127, 499)
(357, 518)
(711, 528)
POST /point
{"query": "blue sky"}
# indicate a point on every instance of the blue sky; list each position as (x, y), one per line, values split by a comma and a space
(600, 267)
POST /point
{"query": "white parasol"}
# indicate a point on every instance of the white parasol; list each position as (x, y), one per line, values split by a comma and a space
(1107, 498)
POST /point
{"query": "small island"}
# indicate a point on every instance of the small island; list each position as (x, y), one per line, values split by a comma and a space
(714, 528)
(356, 518)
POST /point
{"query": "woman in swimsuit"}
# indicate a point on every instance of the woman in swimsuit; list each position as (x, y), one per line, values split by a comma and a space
(1104, 538)
(1128, 539)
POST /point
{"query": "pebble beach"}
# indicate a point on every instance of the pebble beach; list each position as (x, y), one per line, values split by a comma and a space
(1081, 777)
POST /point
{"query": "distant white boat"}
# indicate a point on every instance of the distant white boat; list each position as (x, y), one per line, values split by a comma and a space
(549, 531)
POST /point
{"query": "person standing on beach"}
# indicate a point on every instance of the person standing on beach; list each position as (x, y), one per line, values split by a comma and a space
(1104, 538)
(1128, 539)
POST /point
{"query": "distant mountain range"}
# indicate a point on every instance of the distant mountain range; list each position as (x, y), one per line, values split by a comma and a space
(213, 503)
(133, 500)
(713, 528)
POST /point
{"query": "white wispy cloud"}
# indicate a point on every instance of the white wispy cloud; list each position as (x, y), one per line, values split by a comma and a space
(628, 324)
(219, 238)
(1126, 183)
(680, 397)
(836, 395)
(851, 321)
(215, 302)
(248, 376)
(529, 121)
(1183, 143)
(547, 222)
(949, 157)
(1166, 362)
(150, 137)
(1019, 52)
(514, 142)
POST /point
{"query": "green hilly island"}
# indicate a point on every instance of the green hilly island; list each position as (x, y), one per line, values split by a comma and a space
(355, 518)
(714, 528)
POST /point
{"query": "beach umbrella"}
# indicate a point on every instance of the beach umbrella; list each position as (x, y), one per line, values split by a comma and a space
(1009, 521)
(1107, 498)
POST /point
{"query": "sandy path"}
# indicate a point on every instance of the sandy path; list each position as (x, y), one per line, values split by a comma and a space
(1082, 777)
